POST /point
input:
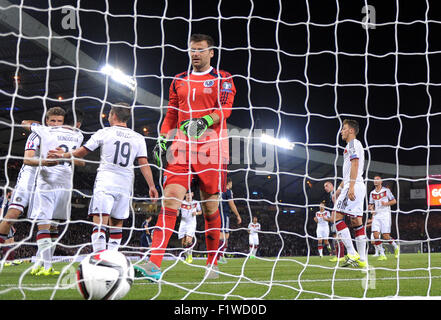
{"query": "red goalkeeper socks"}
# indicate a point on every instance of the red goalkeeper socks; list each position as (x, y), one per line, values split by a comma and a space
(163, 231)
(212, 234)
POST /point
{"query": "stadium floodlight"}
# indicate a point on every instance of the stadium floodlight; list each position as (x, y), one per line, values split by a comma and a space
(283, 142)
(119, 76)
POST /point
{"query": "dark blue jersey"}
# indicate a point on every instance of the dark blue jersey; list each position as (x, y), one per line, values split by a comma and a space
(226, 196)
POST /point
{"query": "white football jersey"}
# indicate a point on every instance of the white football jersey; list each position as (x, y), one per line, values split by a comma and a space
(120, 147)
(57, 137)
(254, 227)
(26, 176)
(353, 150)
(377, 197)
(321, 222)
(188, 208)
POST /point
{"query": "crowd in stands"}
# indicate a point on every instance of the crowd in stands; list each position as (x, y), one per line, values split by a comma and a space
(283, 233)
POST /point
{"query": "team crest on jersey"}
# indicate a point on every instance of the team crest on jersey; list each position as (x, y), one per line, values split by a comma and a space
(227, 85)
(208, 83)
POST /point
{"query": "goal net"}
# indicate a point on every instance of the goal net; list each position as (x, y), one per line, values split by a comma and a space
(300, 68)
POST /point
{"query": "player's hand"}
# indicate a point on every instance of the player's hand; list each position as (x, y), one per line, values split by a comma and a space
(153, 194)
(195, 128)
(160, 152)
(239, 220)
(56, 153)
(384, 203)
(351, 193)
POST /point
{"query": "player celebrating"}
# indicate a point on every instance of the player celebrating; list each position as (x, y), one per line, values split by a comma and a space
(380, 201)
(53, 189)
(189, 210)
(227, 205)
(25, 184)
(200, 102)
(120, 147)
(322, 218)
(253, 238)
(350, 196)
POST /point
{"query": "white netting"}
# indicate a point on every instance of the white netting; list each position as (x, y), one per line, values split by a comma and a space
(300, 69)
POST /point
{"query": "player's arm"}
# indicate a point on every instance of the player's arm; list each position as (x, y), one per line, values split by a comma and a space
(315, 219)
(26, 124)
(148, 176)
(171, 117)
(353, 178)
(29, 160)
(337, 193)
(198, 210)
(74, 155)
(392, 201)
(234, 209)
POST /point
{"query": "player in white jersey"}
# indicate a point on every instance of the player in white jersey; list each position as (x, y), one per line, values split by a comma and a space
(253, 238)
(350, 196)
(53, 189)
(380, 201)
(25, 184)
(120, 147)
(322, 218)
(187, 228)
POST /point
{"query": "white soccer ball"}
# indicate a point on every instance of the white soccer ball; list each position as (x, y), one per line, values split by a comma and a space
(106, 275)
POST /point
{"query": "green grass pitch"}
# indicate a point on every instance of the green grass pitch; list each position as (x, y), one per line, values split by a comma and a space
(261, 278)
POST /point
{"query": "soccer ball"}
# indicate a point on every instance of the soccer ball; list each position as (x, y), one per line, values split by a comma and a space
(105, 275)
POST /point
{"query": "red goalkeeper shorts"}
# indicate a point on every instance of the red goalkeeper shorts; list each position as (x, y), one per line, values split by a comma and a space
(212, 177)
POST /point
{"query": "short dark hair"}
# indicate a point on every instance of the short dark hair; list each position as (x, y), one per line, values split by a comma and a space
(353, 124)
(229, 180)
(198, 37)
(55, 111)
(122, 111)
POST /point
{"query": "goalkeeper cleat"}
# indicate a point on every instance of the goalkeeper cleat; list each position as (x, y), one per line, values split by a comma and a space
(351, 260)
(212, 273)
(48, 272)
(397, 251)
(382, 258)
(333, 259)
(222, 260)
(8, 264)
(149, 271)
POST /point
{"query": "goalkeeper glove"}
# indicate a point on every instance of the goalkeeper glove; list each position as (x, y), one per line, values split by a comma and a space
(160, 152)
(195, 128)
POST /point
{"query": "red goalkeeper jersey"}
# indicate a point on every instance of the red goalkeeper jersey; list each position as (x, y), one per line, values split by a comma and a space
(194, 95)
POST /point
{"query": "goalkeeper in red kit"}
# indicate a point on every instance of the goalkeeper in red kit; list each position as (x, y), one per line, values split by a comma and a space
(200, 101)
